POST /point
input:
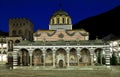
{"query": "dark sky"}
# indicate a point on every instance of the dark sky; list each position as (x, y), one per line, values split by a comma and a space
(39, 11)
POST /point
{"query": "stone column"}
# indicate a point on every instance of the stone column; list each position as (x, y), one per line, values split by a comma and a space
(119, 57)
(53, 59)
(68, 52)
(43, 59)
(97, 57)
(15, 61)
(68, 60)
(101, 58)
(91, 55)
(78, 56)
(21, 59)
(30, 59)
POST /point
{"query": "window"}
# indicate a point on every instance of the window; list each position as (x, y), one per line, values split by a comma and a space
(20, 32)
(63, 19)
(58, 21)
(68, 21)
(13, 32)
(17, 24)
(52, 21)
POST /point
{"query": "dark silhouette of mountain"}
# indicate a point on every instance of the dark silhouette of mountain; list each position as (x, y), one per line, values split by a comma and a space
(3, 33)
(109, 37)
(101, 25)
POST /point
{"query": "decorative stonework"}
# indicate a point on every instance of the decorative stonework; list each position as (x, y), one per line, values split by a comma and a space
(60, 35)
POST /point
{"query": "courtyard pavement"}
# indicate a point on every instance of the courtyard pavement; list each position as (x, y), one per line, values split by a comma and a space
(115, 72)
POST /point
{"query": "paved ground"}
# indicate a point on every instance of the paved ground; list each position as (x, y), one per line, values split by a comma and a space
(99, 71)
(59, 73)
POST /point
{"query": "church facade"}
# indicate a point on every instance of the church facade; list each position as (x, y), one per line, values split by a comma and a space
(60, 46)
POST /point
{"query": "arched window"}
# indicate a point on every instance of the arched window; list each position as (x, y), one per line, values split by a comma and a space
(20, 32)
(17, 41)
(58, 21)
(63, 20)
(52, 21)
(13, 32)
(67, 20)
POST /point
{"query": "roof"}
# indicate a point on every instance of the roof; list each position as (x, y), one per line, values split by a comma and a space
(61, 42)
(60, 12)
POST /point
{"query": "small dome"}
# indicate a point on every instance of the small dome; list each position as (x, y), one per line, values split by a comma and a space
(60, 12)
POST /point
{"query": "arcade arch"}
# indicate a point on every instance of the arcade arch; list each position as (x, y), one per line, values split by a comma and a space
(85, 57)
(37, 57)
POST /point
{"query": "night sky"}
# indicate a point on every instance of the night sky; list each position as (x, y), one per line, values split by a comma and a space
(40, 11)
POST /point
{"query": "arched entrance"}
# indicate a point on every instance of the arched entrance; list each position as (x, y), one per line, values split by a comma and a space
(37, 57)
(10, 59)
(73, 57)
(99, 57)
(84, 57)
(61, 63)
(48, 58)
(23, 57)
(61, 58)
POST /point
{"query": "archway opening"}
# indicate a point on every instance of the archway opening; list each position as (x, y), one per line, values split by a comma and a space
(73, 57)
(37, 57)
(48, 58)
(23, 57)
(61, 55)
(99, 57)
(10, 59)
(84, 57)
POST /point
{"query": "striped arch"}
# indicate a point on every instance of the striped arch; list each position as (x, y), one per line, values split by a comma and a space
(48, 57)
(99, 56)
(73, 57)
(37, 57)
(85, 57)
(23, 57)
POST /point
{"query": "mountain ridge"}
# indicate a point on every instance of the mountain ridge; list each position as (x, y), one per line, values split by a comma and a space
(101, 25)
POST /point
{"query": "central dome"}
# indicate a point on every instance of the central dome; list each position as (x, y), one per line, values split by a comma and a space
(60, 20)
(60, 12)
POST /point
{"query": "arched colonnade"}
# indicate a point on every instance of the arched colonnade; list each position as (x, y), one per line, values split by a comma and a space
(60, 56)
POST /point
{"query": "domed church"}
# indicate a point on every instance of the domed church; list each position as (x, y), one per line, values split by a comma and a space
(60, 47)
(60, 28)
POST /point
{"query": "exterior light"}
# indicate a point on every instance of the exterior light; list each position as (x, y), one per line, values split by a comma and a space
(119, 54)
(115, 43)
(103, 52)
(94, 59)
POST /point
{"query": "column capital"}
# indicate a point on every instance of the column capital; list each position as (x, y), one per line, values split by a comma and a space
(67, 50)
(30, 54)
(54, 50)
(78, 48)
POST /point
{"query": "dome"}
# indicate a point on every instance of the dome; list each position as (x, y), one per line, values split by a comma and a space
(60, 20)
(60, 12)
